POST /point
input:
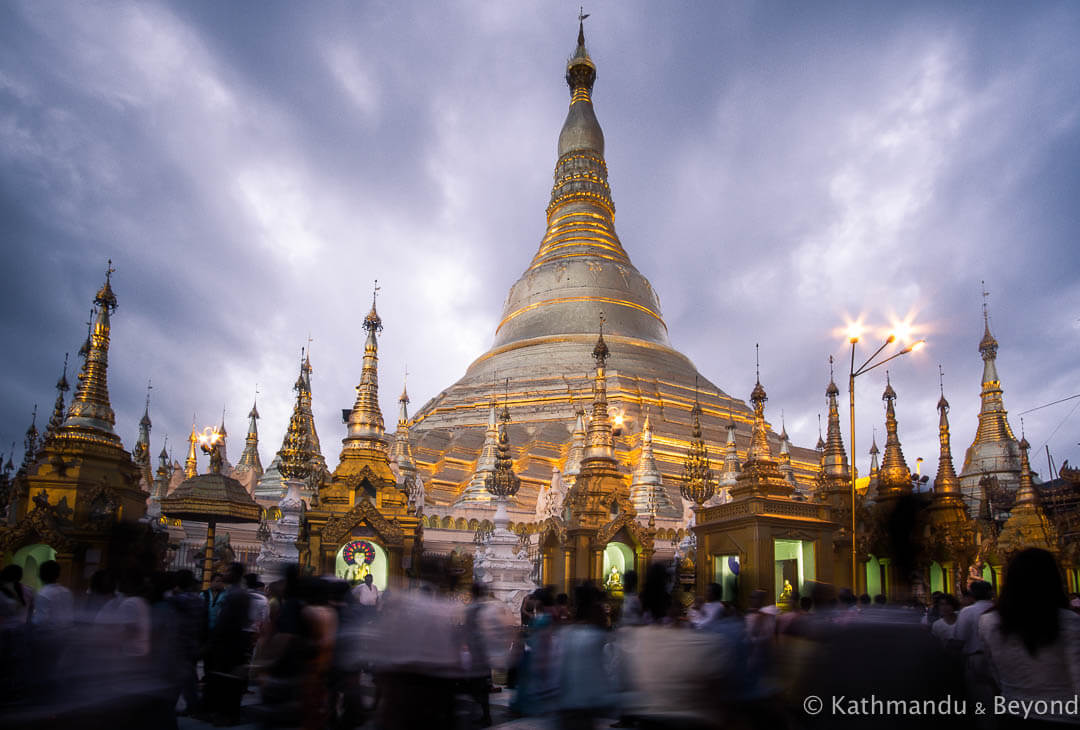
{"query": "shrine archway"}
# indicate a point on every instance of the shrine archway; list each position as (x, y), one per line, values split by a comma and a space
(618, 558)
(359, 557)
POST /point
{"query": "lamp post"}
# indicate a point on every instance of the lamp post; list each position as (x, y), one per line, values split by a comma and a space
(866, 367)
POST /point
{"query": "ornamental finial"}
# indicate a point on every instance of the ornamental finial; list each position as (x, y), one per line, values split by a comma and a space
(601, 352)
(372, 322)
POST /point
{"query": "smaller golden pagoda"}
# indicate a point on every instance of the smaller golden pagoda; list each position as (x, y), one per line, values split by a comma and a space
(599, 536)
(81, 482)
(361, 519)
(1027, 526)
(764, 538)
(950, 530)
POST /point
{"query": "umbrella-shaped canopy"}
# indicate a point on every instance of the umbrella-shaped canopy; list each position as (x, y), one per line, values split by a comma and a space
(211, 498)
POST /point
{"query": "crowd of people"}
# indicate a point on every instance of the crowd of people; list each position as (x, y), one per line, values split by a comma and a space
(139, 650)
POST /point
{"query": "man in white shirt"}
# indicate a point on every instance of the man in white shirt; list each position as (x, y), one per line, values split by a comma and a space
(965, 633)
(367, 596)
(977, 675)
(54, 607)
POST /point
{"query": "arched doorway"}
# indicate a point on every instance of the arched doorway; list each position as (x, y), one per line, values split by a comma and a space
(358, 558)
(618, 558)
(30, 558)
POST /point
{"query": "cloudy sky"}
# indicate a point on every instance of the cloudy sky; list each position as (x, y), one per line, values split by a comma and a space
(251, 168)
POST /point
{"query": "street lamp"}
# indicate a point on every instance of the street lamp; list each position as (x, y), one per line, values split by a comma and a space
(853, 373)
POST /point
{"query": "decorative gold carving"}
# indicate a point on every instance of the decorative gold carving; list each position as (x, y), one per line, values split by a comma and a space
(338, 527)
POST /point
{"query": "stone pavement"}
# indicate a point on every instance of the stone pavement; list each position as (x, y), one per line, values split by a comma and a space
(500, 714)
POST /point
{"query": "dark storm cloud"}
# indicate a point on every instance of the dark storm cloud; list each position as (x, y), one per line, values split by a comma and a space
(251, 168)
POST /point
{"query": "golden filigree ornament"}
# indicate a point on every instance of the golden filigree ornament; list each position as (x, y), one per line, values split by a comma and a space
(698, 483)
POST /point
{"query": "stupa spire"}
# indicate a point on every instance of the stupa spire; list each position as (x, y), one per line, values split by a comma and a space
(784, 458)
(164, 471)
(600, 442)
(577, 448)
(402, 450)
(647, 491)
(895, 477)
(946, 481)
(502, 482)
(731, 457)
(301, 433)
(57, 418)
(759, 442)
(994, 449)
(580, 243)
(249, 458)
(835, 461)
(90, 407)
(141, 452)
(476, 490)
(191, 464)
(366, 427)
(31, 443)
(1026, 494)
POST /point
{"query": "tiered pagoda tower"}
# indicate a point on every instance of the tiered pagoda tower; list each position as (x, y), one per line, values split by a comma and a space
(580, 272)
(995, 451)
(81, 481)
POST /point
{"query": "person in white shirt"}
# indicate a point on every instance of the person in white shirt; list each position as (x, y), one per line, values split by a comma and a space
(965, 636)
(980, 683)
(945, 627)
(54, 607)
(1032, 641)
(366, 594)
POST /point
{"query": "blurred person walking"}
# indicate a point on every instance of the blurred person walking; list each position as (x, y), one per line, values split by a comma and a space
(944, 628)
(320, 630)
(52, 618)
(213, 598)
(1032, 642)
(227, 650)
(966, 639)
(189, 610)
(587, 689)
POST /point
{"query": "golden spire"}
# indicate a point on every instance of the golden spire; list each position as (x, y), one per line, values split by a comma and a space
(1026, 494)
(993, 421)
(57, 418)
(31, 443)
(600, 443)
(503, 482)
(784, 458)
(90, 408)
(835, 456)
(295, 464)
(301, 428)
(759, 443)
(141, 452)
(402, 451)
(895, 476)
(475, 492)
(946, 481)
(249, 459)
(366, 427)
(646, 487)
(698, 484)
(164, 471)
(731, 455)
(191, 465)
(577, 447)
